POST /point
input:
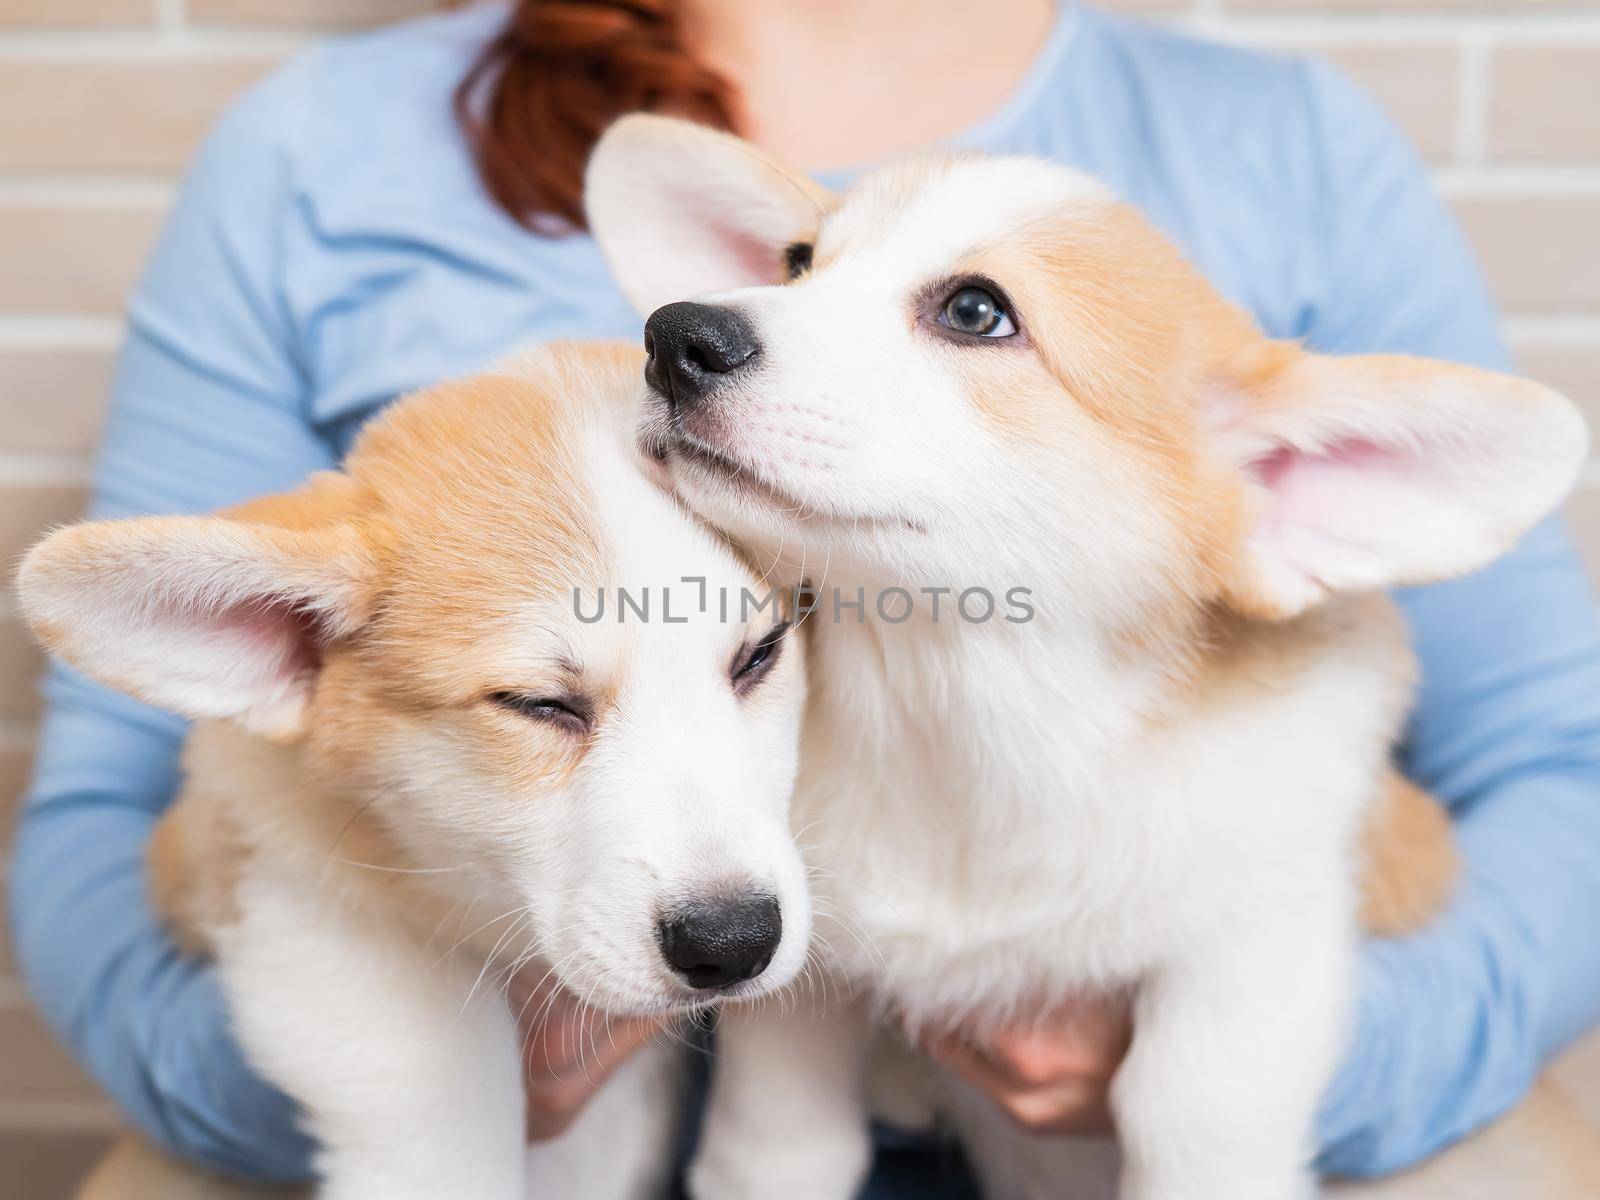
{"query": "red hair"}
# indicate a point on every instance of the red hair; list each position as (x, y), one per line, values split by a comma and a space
(543, 90)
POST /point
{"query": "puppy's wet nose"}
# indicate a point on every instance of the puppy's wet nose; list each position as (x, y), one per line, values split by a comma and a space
(717, 945)
(691, 347)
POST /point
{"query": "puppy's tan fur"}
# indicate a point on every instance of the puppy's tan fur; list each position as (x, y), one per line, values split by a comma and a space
(450, 557)
(1147, 334)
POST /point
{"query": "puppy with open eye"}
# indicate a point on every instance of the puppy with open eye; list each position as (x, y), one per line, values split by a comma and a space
(1132, 734)
(423, 764)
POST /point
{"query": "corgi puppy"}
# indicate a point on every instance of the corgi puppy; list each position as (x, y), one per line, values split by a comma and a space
(421, 765)
(1105, 684)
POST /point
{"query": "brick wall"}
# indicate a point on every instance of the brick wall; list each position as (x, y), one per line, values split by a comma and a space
(101, 100)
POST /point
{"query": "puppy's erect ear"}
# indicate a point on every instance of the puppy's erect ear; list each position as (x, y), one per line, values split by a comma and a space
(681, 210)
(212, 617)
(1372, 471)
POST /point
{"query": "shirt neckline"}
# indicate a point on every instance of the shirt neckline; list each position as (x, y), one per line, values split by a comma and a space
(1018, 104)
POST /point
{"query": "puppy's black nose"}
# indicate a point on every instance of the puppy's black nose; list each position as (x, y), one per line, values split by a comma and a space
(716, 945)
(690, 346)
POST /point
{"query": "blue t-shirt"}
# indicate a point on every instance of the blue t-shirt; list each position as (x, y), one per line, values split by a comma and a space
(332, 249)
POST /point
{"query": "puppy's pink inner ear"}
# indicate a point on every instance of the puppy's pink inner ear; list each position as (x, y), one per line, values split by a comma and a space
(751, 257)
(1339, 500)
(1376, 471)
(754, 256)
(285, 637)
(1356, 513)
(253, 658)
(739, 231)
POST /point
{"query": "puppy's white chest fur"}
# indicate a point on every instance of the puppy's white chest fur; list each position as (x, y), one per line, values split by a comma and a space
(993, 836)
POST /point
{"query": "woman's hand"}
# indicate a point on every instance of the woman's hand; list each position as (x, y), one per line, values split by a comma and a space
(1055, 1075)
(568, 1050)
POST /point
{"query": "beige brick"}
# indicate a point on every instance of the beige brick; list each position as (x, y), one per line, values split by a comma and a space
(321, 14)
(1545, 103)
(134, 1170)
(72, 257)
(1418, 85)
(1583, 514)
(42, 1165)
(52, 400)
(26, 511)
(1402, 6)
(1578, 1072)
(1538, 249)
(37, 1068)
(21, 665)
(42, 14)
(15, 763)
(116, 114)
(1573, 370)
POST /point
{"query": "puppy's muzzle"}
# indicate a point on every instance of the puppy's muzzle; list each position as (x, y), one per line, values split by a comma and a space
(716, 945)
(691, 347)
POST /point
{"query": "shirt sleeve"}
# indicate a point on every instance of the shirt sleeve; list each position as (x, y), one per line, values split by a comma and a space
(208, 409)
(1453, 1024)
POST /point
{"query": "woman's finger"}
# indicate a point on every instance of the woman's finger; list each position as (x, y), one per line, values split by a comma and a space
(1055, 1103)
(572, 1039)
(568, 1050)
(1053, 1077)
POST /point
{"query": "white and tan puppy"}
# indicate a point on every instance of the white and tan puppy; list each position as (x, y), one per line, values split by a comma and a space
(1141, 753)
(422, 764)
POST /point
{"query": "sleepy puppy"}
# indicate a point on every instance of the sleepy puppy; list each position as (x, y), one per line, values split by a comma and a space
(420, 765)
(1105, 684)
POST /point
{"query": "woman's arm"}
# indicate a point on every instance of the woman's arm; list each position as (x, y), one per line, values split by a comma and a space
(207, 410)
(1454, 1023)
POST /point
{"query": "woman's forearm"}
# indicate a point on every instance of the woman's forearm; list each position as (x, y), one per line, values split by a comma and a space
(207, 410)
(1454, 1023)
(149, 1024)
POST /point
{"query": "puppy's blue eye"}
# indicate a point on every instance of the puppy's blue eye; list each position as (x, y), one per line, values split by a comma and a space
(976, 311)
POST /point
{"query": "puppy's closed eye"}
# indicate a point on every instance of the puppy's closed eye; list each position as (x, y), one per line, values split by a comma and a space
(570, 714)
(754, 663)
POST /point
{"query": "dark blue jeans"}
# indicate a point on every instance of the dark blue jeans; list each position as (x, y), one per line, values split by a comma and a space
(926, 1172)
